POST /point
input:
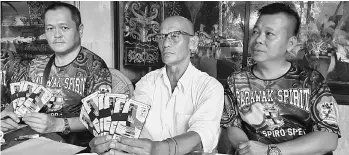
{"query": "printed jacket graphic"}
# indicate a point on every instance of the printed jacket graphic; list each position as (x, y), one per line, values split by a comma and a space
(282, 109)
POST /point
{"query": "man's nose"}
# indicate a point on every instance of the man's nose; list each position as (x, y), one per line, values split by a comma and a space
(167, 42)
(58, 33)
(260, 38)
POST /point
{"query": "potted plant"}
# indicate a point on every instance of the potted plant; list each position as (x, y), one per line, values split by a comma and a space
(325, 43)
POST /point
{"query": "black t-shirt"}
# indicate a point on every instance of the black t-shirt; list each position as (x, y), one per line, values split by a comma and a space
(282, 109)
(86, 74)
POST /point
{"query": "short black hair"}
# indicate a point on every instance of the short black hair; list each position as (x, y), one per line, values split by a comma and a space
(75, 13)
(275, 8)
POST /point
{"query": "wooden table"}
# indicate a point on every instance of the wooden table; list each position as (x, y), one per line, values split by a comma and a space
(10, 137)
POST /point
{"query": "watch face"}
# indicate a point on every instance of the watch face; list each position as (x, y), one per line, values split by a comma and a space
(274, 151)
(66, 132)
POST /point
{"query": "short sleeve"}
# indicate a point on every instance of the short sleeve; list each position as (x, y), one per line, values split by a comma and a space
(100, 78)
(324, 110)
(230, 116)
(144, 89)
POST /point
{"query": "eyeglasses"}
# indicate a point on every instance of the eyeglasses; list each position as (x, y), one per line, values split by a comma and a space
(174, 36)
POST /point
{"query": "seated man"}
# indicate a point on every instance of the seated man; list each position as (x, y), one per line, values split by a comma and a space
(185, 103)
(73, 72)
(277, 107)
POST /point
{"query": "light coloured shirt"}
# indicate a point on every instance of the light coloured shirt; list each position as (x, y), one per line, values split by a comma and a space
(196, 104)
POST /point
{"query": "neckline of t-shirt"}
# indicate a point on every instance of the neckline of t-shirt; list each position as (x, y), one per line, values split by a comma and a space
(54, 63)
(270, 79)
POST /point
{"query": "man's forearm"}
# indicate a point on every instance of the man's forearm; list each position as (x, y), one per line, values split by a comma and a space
(185, 143)
(315, 143)
(236, 136)
(309, 144)
(74, 123)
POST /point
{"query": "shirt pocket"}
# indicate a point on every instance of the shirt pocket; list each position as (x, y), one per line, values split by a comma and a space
(182, 122)
(184, 105)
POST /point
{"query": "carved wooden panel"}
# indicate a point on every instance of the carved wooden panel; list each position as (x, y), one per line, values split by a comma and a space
(141, 22)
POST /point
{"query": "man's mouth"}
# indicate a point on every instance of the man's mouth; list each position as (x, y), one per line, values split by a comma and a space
(256, 50)
(167, 53)
(59, 42)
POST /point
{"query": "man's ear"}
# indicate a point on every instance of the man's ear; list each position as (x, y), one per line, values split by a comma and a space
(81, 29)
(193, 43)
(292, 42)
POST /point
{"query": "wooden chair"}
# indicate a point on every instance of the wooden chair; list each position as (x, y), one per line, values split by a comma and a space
(120, 83)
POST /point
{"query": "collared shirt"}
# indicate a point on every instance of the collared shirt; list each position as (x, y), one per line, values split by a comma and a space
(196, 104)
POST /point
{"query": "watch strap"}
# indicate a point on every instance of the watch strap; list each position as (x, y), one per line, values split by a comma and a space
(66, 126)
(272, 149)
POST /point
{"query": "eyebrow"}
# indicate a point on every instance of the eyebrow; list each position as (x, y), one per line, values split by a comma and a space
(266, 28)
(171, 31)
(59, 24)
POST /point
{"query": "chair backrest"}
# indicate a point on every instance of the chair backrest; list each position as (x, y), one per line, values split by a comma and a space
(120, 83)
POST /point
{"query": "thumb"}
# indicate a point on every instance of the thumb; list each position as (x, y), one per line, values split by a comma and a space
(12, 115)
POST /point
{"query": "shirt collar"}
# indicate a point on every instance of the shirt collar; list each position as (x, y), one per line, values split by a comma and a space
(184, 81)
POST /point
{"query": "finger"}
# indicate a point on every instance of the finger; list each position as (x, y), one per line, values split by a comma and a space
(117, 152)
(100, 140)
(119, 146)
(243, 145)
(105, 153)
(35, 115)
(244, 151)
(6, 127)
(36, 126)
(33, 119)
(39, 130)
(12, 115)
(10, 123)
(101, 148)
(247, 153)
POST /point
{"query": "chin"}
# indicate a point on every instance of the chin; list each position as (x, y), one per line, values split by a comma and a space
(166, 59)
(259, 57)
(169, 62)
(59, 50)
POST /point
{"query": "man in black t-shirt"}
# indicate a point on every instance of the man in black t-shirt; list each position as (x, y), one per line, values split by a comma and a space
(276, 107)
(75, 73)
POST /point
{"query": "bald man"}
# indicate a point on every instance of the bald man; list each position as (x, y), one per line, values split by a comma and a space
(186, 104)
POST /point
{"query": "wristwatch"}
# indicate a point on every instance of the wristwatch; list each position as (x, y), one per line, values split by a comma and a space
(273, 150)
(66, 127)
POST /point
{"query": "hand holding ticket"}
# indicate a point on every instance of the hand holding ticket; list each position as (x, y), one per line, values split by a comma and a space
(28, 97)
(113, 114)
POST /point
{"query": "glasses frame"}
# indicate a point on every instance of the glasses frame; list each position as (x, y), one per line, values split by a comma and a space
(166, 36)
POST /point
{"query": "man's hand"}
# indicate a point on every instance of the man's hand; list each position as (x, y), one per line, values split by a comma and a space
(252, 148)
(9, 120)
(137, 146)
(100, 144)
(43, 123)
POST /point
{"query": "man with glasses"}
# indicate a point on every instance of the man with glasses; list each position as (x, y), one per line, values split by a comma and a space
(186, 103)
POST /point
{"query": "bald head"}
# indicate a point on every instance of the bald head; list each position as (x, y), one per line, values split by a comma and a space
(178, 23)
(175, 49)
